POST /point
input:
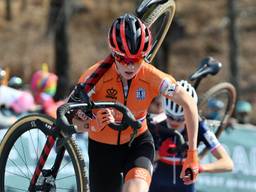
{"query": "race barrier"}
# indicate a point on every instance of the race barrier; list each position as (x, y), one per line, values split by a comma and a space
(241, 145)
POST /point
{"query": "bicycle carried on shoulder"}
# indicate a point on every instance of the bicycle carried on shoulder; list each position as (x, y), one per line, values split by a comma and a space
(53, 161)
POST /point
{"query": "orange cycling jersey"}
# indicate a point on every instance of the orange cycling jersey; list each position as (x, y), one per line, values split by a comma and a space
(143, 88)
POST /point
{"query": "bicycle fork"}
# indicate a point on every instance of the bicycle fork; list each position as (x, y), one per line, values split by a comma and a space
(51, 140)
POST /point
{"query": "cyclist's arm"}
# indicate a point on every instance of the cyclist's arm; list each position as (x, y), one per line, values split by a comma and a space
(180, 96)
(223, 163)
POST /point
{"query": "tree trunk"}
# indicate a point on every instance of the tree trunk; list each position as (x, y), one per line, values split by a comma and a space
(233, 44)
(24, 4)
(175, 33)
(8, 12)
(62, 64)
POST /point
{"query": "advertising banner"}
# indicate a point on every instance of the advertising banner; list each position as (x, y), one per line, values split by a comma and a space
(241, 145)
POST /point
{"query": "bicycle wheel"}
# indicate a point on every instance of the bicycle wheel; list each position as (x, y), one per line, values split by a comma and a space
(158, 18)
(225, 94)
(20, 150)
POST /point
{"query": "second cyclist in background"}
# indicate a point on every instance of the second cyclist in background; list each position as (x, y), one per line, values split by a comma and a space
(166, 177)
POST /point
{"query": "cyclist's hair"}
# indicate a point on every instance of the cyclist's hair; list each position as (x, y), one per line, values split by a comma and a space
(175, 110)
(129, 37)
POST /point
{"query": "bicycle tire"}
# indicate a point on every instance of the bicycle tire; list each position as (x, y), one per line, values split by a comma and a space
(151, 16)
(220, 88)
(24, 126)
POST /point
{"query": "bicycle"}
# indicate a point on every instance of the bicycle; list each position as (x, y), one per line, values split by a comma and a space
(48, 174)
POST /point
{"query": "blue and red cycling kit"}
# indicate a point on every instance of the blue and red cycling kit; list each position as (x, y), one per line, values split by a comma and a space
(166, 176)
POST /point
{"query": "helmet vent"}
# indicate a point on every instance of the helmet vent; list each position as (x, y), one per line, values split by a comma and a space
(176, 108)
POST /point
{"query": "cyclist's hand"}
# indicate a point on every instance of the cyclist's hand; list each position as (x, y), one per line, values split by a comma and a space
(80, 120)
(103, 118)
(190, 168)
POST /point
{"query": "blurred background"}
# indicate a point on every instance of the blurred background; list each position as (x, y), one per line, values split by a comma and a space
(71, 35)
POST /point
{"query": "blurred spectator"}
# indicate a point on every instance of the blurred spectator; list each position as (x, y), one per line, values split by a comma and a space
(15, 82)
(243, 110)
(214, 108)
(16, 100)
(2, 75)
(43, 86)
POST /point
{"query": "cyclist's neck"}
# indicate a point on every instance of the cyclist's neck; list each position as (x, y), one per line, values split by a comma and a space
(126, 82)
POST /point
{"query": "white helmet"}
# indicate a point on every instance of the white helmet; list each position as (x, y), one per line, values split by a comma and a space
(174, 110)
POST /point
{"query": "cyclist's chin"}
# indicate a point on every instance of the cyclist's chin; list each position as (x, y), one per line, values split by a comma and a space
(128, 76)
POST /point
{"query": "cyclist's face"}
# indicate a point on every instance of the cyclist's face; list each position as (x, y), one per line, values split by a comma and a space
(126, 67)
(175, 123)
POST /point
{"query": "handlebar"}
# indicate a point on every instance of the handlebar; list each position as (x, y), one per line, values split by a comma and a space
(127, 120)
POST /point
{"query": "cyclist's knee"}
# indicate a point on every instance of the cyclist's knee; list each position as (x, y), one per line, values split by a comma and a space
(137, 179)
(135, 184)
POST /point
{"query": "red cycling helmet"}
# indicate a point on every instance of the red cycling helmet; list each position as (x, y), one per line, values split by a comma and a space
(129, 37)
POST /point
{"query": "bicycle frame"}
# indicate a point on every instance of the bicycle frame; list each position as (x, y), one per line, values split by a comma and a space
(61, 122)
(43, 157)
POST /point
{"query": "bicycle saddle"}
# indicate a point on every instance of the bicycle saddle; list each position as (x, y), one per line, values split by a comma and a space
(145, 5)
(207, 66)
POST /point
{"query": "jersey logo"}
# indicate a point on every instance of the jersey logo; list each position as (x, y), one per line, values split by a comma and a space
(171, 89)
(140, 94)
(111, 93)
(211, 139)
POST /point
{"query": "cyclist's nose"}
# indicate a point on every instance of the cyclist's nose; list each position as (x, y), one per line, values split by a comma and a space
(131, 66)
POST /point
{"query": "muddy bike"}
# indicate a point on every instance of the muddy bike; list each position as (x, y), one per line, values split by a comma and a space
(39, 153)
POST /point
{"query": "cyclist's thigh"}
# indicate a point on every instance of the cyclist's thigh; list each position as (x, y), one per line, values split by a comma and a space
(104, 167)
(141, 154)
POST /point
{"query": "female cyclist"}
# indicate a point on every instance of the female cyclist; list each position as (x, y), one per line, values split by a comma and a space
(169, 163)
(125, 77)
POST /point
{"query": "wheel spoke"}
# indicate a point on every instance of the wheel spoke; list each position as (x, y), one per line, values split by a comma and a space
(12, 173)
(18, 167)
(18, 157)
(14, 188)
